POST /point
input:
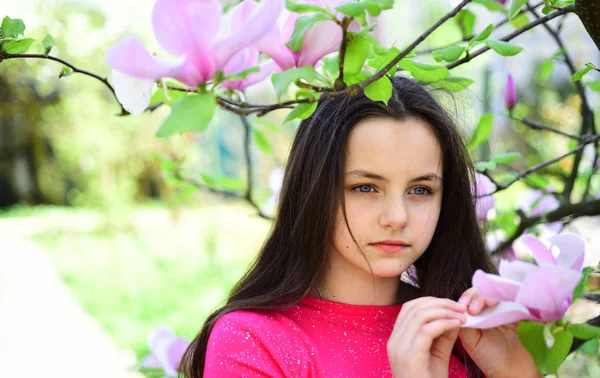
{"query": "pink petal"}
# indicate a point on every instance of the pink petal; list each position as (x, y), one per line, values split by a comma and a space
(266, 69)
(134, 93)
(129, 56)
(539, 251)
(501, 314)
(257, 24)
(184, 26)
(484, 202)
(160, 341)
(150, 362)
(510, 93)
(321, 39)
(244, 59)
(572, 250)
(494, 287)
(547, 289)
(175, 352)
(515, 270)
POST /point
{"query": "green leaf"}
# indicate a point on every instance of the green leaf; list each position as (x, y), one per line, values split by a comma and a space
(506, 158)
(267, 124)
(545, 70)
(65, 71)
(352, 9)
(262, 141)
(585, 273)
(222, 182)
(559, 351)
(173, 95)
(357, 10)
(454, 83)
(357, 52)
(303, 8)
(361, 76)
(448, 54)
(465, 20)
(492, 5)
(531, 335)
(546, 10)
(585, 331)
(381, 61)
(582, 72)
(593, 85)
(483, 35)
(12, 27)
(377, 47)
(520, 21)
(48, 44)
(302, 24)
(18, 47)
(189, 113)
(515, 8)
(503, 48)
(538, 180)
(379, 90)
(301, 111)
(485, 166)
(426, 73)
(590, 347)
(483, 130)
(281, 81)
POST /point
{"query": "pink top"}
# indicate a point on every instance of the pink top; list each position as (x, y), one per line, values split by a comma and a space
(316, 338)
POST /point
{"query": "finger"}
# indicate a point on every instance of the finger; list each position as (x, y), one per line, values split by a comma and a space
(410, 310)
(426, 316)
(433, 330)
(477, 304)
(467, 296)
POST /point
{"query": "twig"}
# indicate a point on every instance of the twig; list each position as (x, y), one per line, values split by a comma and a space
(572, 210)
(539, 126)
(511, 36)
(248, 159)
(315, 88)
(339, 82)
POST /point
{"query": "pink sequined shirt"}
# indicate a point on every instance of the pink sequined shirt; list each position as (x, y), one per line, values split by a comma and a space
(316, 338)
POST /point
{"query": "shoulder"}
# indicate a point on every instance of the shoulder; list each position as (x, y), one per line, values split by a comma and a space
(258, 343)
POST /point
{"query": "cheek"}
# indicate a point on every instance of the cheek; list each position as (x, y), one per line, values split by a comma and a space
(426, 218)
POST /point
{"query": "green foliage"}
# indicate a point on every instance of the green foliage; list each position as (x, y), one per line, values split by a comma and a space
(12, 28)
(454, 83)
(301, 111)
(547, 354)
(302, 25)
(379, 90)
(465, 20)
(48, 44)
(490, 5)
(189, 113)
(262, 141)
(497, 159)
(303, 8)
(503, 48)
(357, 51)
(485, 33)
(427, 73)
(357, 9)
(582, 282)
(483, 130)
(582, 72)
(281, 81)
(448, 54)
(515, 8)
(19, 46)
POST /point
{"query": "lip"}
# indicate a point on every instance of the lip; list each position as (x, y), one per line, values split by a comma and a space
(390, 245)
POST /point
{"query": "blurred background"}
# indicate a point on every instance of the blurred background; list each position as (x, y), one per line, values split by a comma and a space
(101, 242)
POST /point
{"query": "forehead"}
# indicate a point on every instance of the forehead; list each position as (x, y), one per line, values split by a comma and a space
(389, 147)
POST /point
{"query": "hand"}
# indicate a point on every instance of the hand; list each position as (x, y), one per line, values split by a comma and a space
(497, 351)
(423, 337)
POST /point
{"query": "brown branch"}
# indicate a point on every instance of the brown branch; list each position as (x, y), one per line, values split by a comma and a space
(339, 82)
(511, 36)
(588, 12)
(248, 159)
(539, 126)
(571, 210)
(4, 55)
(315, 88)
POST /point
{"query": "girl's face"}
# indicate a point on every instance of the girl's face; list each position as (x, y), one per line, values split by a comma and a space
(393, 194)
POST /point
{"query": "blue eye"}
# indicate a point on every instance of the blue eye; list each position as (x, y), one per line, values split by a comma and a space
(422, 191)
(364, 189)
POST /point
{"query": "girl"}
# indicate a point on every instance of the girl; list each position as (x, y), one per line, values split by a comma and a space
(369, 191)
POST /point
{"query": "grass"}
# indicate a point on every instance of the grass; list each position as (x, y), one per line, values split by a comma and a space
(160, 272)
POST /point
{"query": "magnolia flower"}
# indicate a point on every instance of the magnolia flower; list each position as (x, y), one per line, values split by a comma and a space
(493, 239)
(193, 31)
(526, 291)
(166, 351)
(484, 202)
(510, 93)
(245, 59)
(536, 203)
(320, 39)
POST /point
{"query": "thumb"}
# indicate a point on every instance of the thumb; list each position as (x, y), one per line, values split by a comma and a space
(469, 338)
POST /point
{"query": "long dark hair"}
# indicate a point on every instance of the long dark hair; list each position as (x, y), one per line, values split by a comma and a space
(293, 257)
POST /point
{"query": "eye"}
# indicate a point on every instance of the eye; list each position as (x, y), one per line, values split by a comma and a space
(421, 191)
(364, 189)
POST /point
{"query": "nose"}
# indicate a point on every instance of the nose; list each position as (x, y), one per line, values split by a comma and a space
(394, 214)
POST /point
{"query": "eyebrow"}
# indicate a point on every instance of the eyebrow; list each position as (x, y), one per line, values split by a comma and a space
(374, 176)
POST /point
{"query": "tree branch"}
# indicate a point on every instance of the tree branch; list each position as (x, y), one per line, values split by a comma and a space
(589, 14)
(539, 126)
(339, 82)
(248, 160)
